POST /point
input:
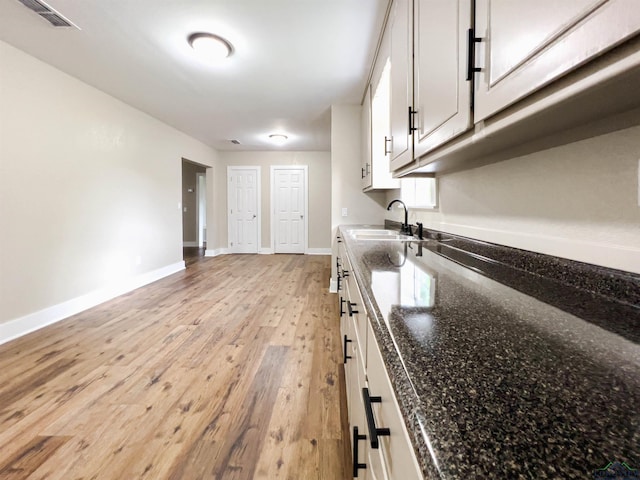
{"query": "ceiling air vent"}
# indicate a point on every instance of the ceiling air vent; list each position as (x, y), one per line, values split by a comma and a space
(235, 142)
(48, 13)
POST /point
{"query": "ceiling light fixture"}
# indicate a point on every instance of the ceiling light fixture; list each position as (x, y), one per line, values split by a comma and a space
(210, 47)
(278, 138)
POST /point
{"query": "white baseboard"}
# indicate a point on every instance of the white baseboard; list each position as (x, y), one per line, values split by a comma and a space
(214, 252)
(190, 244)
(34, 321)
(333, 286)
(318, 251)
(266, 251)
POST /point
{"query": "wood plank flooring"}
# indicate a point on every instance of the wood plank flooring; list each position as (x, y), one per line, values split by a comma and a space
(229, 370)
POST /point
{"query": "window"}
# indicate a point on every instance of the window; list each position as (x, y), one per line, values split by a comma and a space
(419, 192)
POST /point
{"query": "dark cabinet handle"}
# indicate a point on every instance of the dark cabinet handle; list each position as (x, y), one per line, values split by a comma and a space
(350, 306)
(346, 357)
(363, 175)
(471, 54)
(338, 281)
(386, 141)
(342, 302)
(412, 128)
(356, 438)
(374, 432)
(345, 273)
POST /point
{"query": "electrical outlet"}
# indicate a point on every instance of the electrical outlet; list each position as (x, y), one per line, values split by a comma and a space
(344, 212)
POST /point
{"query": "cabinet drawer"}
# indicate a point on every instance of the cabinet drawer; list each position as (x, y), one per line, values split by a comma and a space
(357, 314)
(356, 317)
(395, 452)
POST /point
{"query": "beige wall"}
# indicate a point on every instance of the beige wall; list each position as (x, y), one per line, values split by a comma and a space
(190, 200)
(90, 188)
(577, 201)
(319, 164)
(346, 182)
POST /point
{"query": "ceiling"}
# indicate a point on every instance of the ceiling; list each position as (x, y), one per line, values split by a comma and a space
(293, 59)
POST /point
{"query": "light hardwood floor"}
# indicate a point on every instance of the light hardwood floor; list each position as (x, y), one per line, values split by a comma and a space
(230, 370)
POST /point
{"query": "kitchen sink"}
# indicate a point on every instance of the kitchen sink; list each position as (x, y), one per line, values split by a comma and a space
(374, 231)
(378, 234)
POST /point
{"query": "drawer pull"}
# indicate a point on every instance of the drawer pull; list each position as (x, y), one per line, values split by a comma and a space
(345, 273)
(356, 438)
(346, 357)
(342, 302)
(374, 432)
(339, 281)
(350, 306)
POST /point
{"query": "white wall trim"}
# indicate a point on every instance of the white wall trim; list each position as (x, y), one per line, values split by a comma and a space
(318, 251)
(266, 251)
(215, 252)
(597, 253)
(333, 286)
(34, 321)
(190, 244)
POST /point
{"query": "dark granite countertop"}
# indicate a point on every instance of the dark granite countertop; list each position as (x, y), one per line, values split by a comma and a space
(492, 382)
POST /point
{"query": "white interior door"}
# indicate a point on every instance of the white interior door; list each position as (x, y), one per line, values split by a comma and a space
(243, 188)
(289, 187)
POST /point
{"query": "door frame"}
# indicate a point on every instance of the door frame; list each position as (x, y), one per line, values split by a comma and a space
(201, 208)
(305, 171)
(230, 169)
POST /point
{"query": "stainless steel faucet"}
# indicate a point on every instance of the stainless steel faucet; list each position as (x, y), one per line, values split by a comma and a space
(406, 228)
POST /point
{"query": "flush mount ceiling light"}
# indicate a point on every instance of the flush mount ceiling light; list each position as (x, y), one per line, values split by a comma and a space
(278, 138)
(210, 47)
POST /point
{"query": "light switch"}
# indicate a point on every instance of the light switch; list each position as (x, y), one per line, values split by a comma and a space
(344, 211)
(184, 209)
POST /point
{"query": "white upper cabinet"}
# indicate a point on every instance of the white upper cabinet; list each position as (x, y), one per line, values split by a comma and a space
(378, 173)
(366, 140)
(526, 45)
(401, 39)
(442, 92)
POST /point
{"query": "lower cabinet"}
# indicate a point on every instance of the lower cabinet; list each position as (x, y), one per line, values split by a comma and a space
(380, 443)
(395, 452)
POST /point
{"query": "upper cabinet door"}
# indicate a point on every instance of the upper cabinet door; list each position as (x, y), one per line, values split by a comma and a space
(528, 44)
(401, 83)
(366, 140)
(442, 93)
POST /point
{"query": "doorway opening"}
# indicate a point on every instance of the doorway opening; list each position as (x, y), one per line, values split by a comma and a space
(194, 210)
